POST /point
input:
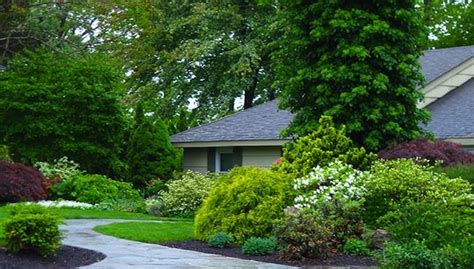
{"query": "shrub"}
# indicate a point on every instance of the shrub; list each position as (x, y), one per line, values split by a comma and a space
(20, 183)
(98, 189)
(4, 154)
(243, 203)
(153, 187)
(57, 171)
(356, 247)
(32, 228)
(185, 194)
(464, 171)
(220, 240)
(438, 150)
(154, 206)
(24, 208)
(394, 183)
(413, 255)
(335, 192)
(321, 147)
(438, 225)
(306, 235)
(259, 246)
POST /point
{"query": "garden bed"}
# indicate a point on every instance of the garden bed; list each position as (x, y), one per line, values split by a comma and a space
(67, 257)
(336, 260)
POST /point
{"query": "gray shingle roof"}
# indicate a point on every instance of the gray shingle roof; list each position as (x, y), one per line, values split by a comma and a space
(435, 63)
(453, 115)
(262, 122)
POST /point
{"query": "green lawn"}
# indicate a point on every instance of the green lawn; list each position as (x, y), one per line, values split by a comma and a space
(149, 232)
(68, 213)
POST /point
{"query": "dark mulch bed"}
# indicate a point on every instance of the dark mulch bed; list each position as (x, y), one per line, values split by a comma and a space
(67, 257)
(336, 260)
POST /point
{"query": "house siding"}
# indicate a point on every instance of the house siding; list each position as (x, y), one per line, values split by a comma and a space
(195, 159)
(260, 156)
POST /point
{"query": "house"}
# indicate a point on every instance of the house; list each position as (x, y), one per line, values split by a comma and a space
(252, 137)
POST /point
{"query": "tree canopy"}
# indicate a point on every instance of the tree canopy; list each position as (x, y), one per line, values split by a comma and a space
(54, 105)
(356, 62)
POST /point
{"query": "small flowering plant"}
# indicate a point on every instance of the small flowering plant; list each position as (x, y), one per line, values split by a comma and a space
(63, 204)
(337, 180)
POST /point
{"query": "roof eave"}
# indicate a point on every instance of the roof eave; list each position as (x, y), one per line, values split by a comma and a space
(233, 143)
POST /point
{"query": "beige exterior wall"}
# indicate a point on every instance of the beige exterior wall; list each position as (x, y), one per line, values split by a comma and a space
(260, 156)
(195, 159)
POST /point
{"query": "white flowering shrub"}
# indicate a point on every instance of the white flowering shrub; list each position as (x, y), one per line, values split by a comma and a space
(185, 194)
(61, 169)
(63, 204)
(337, 180)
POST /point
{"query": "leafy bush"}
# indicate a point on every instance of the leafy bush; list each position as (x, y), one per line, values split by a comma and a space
(185, 194)
(335, 192)
(220, 240)
(356, 247)
(438, 225)
(394, 183)
(24, 208)
(98, 189)
(438, 150)
(153, 187)
(306, 235)
(413, 255)
(243, 203)
(154, 206)
(61, 169)
(20, 183)
(321, 147)
(259, 246)
(4, 154)
(34, 229)
(464, 171)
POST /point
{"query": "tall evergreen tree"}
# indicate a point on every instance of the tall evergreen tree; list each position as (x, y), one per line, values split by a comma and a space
(150, 153)
(356, 61)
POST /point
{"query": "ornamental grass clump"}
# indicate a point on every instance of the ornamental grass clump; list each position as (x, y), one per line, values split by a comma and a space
(32, 227)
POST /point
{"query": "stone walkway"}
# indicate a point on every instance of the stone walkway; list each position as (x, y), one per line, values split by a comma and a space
(130, 254)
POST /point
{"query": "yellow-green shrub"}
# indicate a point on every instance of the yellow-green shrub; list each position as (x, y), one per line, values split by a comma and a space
(244, 203)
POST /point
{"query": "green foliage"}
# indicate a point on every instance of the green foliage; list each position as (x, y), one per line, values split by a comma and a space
(257, 246)
(326, 144)
(150, 154)
(186, 194)
(356, 247)
(33, 228)
(55, 105)
(356, 62)
(306, 234)
(438, 225)
(464, 171)
(413, 255)
(98, 189)
(244, 203)
(22, 209)
(61, 169)
(192, 32)
(450, 23)
(392, 184)
(220, 240)
(4, 154)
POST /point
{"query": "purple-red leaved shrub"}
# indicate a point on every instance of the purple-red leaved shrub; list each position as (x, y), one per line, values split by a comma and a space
(20, 183)
(448, 152)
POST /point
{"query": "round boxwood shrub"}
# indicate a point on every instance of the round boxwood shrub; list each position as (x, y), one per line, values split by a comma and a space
(257, 246)
(244, 203)
(220, 240)
(20, 183)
